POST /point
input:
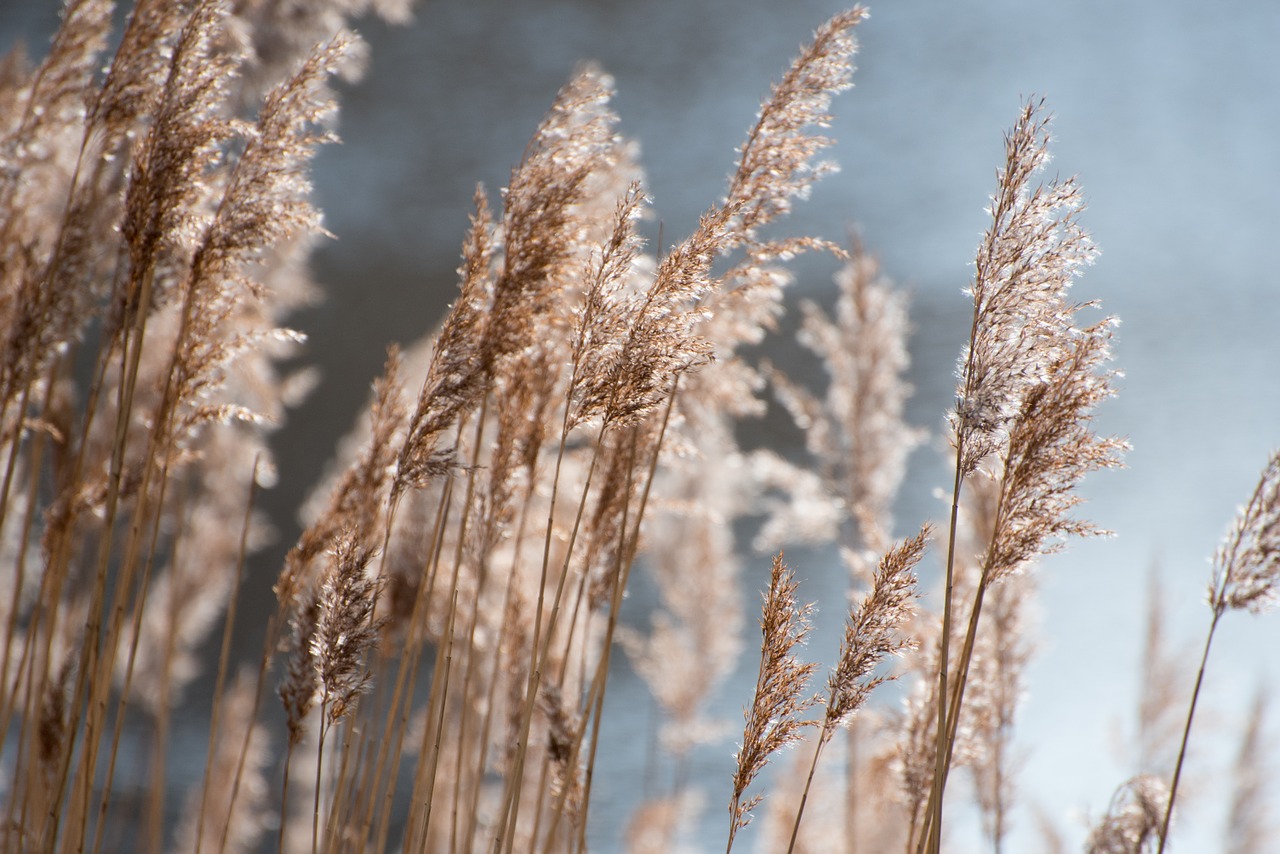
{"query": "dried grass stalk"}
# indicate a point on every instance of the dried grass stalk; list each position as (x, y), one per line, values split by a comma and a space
(774, 719)
(872, 634)
(1029, 383)
(1246, 570)
(235, 801)
(1027, 260)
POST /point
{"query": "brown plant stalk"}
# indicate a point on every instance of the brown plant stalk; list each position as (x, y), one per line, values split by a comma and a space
(1246, 576)
(1029, 381)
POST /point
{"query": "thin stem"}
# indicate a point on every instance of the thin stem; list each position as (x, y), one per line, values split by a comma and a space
(444, 665)
(28, 521)
(284, 797)
(804, 797)
(406, 677)
(930, 838)
(1186, 730)
(15, 605)
(248, 733)
(626, 558)
(130, 359)
(315, 812)
(225, 654)
(489, 704)
(510, 808)
(602, 668)
(851, 784)
(482, 565)
(542, 644)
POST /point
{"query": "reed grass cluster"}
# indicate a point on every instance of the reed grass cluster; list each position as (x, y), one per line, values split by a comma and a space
(436, 663)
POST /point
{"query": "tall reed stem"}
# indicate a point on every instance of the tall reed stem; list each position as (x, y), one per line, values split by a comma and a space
(804, 795)
(1186, 730)
(930, 835)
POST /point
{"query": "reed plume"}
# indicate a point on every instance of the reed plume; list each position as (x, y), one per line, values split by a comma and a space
(774, 719)
(345, 629)
(357, 500)
(1132, 822)
(1029, 383)
(871, 634)
(1026, 261)
(345, 632)
(856, 433)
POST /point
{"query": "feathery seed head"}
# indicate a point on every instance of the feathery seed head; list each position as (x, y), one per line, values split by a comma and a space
(1246, 568)
(775, 164)
(1026, 261)
(773, 721)
(301, 684)
(872, 632)
(345, 630)
(1132, 822)
(1049, 449)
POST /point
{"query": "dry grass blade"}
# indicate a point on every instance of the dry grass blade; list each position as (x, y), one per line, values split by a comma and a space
(872, 633)
(776, 163)
(607, 312)
(39, 311)
(358, 501)
(539, 216)
(773, 721)
(345, 632)
(301, 685)
(185, 141)
(1051, 448)
(775, 166)
(455, 379)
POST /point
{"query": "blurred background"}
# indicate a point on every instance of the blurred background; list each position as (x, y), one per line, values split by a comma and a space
(1168, 114)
